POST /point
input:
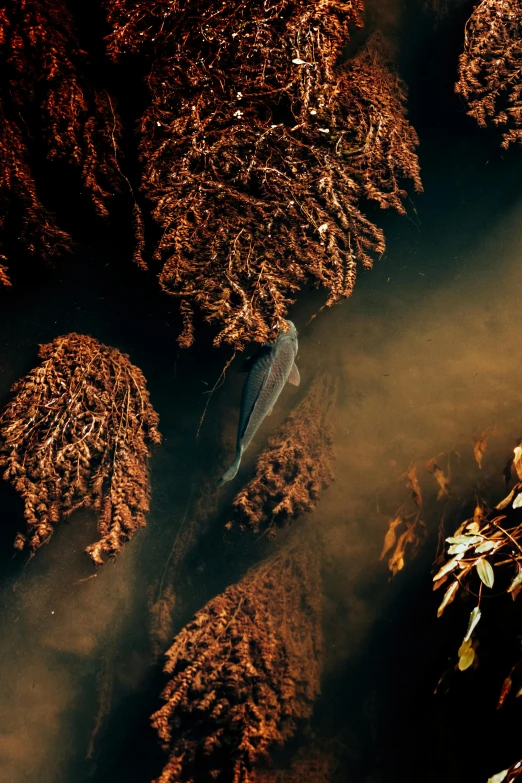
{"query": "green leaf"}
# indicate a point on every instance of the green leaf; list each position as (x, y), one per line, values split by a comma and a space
(485, 572)
(473, 622)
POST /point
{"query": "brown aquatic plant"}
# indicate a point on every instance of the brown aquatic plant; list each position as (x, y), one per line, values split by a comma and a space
(295, 466)
(243, 672)
(490, 67)
(44, 94)
(78, 432)
(38, 232)
(258, 149)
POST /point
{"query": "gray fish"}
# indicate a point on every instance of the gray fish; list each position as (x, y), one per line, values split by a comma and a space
(270, 372)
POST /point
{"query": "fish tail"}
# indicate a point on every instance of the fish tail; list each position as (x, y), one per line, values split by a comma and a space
(233, 469)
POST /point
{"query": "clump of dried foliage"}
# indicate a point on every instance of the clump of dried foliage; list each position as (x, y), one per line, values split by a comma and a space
(243, 672)
(78, 433)
(258, 148)
(294, 467)
(490, 67)
(44, 96)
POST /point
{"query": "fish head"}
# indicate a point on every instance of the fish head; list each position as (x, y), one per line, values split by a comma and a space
(292, 331)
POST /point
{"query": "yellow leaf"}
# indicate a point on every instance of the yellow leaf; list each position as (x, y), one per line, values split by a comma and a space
(449, 566)
(466, 655)
(473, 621)
(485, 572)
(507, 500)
(449, 596)
(480, 445)
(487, 546)
(469, 540)
(413, 484)
(390, 537)
(504, 692)
(478, 513)
(499, 777)
(516, 582)
(517, 461)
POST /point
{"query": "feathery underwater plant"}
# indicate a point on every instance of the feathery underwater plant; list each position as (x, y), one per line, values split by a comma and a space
(258, 149)
(78, 434)
(243, 672)
(294, 467)
(490, 67)
(44, 94)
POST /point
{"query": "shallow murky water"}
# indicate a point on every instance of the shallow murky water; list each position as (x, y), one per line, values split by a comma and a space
(427, 351)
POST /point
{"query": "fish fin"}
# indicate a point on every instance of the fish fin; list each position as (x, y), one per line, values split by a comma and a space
(294, 377)
(233, 469)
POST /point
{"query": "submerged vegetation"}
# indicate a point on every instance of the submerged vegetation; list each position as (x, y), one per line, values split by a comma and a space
(481, 559)
(294, 467)
(78, 434)
(46, 100)
(258, 149)
(485, 553)
(243, 672)
(490, 67)
(263, 154)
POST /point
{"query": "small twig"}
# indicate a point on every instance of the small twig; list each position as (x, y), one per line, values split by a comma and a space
(211, 392)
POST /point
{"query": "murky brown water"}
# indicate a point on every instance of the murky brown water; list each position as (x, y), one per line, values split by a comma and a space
(428, 354)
